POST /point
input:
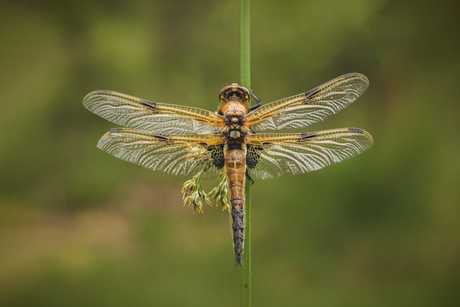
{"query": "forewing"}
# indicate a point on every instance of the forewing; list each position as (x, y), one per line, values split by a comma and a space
(183, 155)
(151, 116)
(311, 107)
(274, 155)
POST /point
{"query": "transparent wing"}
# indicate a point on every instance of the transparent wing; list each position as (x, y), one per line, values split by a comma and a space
(151, 116)
(274, 155)
(185, 155)
(311, 107)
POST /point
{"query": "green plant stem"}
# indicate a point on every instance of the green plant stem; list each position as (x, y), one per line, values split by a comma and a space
(245, 48)
(245, 80)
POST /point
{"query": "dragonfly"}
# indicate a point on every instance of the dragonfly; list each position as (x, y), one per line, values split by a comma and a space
(188, 141)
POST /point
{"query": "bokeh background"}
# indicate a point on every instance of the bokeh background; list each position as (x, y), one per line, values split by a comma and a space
(79, 227)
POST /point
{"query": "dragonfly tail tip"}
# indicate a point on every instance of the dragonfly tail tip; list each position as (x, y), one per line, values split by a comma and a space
(238, 260)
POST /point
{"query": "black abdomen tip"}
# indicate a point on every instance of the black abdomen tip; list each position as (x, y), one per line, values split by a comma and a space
(238, 260)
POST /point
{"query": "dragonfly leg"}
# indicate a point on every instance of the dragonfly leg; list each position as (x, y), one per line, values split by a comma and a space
(247, 174)
(258, 103)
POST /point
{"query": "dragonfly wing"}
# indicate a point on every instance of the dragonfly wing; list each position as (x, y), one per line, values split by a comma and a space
(185, 155)
(311, 107)
(152, 116)
(274, 155)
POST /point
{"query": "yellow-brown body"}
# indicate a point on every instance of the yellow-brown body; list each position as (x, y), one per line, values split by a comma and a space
(233, 108)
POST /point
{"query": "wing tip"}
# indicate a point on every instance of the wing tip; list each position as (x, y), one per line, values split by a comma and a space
(87, 100)
(356, 75)
(351, 75)
(359, 130)
(102, 92)
(312, 134)
(364, 133)
(98, 92)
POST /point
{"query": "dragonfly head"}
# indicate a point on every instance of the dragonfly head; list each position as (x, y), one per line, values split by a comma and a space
(234, 92)
(234, 99)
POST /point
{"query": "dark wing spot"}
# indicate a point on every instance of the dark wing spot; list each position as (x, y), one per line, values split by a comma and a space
(163, 137)
(310, 94)
(149, 104)
(355, 130)
(307, 135)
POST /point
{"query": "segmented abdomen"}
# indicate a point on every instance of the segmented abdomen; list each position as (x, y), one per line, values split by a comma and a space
(235, 164)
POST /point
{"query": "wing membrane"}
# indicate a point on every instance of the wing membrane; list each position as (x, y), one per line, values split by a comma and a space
(151, 116)
(185, 155)
(311, 107)
(274, 155)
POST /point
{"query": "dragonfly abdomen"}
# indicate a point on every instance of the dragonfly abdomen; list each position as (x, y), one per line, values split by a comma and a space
(235, 163)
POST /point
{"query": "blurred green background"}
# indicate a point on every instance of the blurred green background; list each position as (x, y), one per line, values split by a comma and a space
(79, 227)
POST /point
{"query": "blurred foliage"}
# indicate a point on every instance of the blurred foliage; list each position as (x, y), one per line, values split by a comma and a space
(81, 228)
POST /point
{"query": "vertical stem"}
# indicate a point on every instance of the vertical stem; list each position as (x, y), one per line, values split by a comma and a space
(245, 79)
(245, 48)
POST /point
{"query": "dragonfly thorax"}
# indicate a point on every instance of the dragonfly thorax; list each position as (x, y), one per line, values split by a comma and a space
(235, 125)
